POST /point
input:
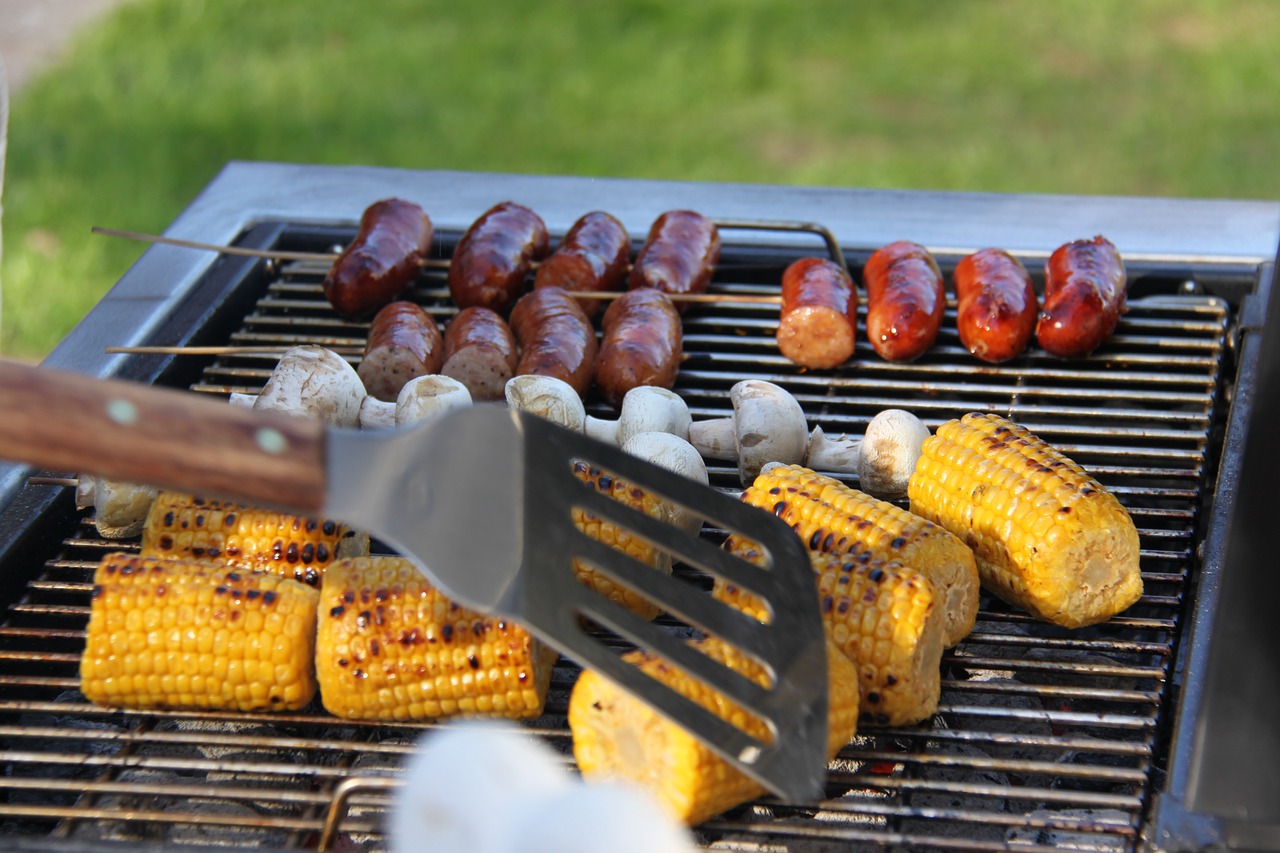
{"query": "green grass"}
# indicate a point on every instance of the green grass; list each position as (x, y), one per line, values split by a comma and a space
(1133, 97)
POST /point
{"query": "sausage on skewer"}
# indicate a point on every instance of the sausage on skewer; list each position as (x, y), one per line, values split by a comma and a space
(592, 256)
(641, 344)
(905, 300)
(383, 260)
(1085, 287)
(495, 255)
(818, 318)
(679, 255)
(996, 305)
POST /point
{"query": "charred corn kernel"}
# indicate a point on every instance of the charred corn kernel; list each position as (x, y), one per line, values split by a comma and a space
(1047, 536)
(883, 616)
(620, 538)
(390, 646)
(616, 736)
(179, 634)
(835, 518)
(191, 528)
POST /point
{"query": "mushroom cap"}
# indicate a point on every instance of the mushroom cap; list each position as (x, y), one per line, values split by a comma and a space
(311, 381)
(890, 449)
(457, 775)
(678, 456)
(768, 426)
(649, 408)
(547, 397)
(426, 397)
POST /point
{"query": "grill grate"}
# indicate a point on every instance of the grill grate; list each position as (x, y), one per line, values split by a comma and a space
(1045, 739)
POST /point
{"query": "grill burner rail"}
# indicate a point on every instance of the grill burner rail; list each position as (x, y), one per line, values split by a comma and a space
(1045, 738)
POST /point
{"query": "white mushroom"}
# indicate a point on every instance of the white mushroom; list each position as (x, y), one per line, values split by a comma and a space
(311, 381)
(890, 450)
(458, 773)
(547, 397)
(767, 425)
(119, 509)
(676, 455)
(645, 408)
(421, 399)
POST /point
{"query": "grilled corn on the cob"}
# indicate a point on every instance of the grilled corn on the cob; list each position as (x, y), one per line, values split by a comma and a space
(835, 518)
(1047, 536)
(617, 736)
(883, 616)
(175, 634)
(390, 646)
(611, 534)
(192, 528)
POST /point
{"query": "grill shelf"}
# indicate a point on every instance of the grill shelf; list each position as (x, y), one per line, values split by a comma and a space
(1045, 739)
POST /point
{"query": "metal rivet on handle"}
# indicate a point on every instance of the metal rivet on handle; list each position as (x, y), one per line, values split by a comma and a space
(271, 440)
(122, 412)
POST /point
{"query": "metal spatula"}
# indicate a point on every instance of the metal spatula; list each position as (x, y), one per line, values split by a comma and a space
(481, 501)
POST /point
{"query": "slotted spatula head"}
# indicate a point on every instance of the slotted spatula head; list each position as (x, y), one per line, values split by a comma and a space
(481, 500)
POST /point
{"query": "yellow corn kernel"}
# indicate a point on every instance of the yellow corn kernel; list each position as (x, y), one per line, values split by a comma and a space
(180, 634)
(1047, 536)
(390, 646)
(832, 517)
(619, 538)
(882, 616)
(191, 528)
(617, 736)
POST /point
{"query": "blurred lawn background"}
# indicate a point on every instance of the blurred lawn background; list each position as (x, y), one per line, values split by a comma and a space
(1116, 97)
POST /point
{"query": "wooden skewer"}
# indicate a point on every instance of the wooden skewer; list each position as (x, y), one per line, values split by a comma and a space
(69, 482)
(241, 251)
(322, 257)
(229, 349)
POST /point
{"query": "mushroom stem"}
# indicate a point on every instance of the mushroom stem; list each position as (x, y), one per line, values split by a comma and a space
(841, 454)
(714, 438)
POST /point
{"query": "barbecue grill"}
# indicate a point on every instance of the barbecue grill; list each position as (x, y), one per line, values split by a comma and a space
(1156, 730)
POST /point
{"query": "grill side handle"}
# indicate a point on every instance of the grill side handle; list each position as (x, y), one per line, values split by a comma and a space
(68, 422)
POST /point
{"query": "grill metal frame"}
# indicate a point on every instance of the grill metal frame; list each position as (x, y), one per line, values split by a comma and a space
(882, 788)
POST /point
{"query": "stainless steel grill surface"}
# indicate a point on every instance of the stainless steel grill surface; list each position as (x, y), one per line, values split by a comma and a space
(1046, 739)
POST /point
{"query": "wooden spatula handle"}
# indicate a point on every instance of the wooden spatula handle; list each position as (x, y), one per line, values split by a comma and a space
(176, 439)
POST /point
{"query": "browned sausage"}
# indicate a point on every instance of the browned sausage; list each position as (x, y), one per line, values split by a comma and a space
(404, 342)
(556, 338)
(495, 255)
(382, 261)
(819, 315)
(480, 352)
(996, 305)
(1085, 287)
(905, 300)
(592, 256)
(679, 255)
(641, 344)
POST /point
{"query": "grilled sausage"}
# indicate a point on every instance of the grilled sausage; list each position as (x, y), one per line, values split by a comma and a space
(495, 255)
(383, 260)
(817, 322)
(404, 342)
(480, 352)
(996, 305)
(905, 300)
(592, 256)
(555, 337)
(1084, 295)
(641, 344)
(679, 255)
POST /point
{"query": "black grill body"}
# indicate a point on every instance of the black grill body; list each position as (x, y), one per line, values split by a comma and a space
(1118, 737)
